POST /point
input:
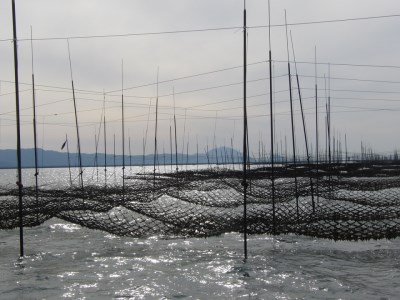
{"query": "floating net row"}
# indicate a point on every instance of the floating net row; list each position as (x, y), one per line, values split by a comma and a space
(341, 202)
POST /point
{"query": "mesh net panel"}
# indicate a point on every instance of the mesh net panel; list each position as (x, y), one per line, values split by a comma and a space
(351, 202)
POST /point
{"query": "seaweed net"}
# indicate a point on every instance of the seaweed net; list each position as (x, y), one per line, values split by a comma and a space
(347, 202)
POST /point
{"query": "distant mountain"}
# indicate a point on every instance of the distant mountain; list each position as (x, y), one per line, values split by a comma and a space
(49, 158)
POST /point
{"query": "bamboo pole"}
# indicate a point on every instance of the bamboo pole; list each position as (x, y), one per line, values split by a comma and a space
(17, 110)
(244, 183)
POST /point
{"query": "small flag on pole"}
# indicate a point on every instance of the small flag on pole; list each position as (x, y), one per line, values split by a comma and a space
(63, 145)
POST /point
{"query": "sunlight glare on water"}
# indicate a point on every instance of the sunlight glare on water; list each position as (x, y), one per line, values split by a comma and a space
(65, 260)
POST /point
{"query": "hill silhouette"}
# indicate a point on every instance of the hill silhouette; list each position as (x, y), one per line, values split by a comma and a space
(50, 158)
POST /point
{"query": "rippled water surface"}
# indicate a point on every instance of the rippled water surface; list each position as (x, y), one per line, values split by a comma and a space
(67, 261)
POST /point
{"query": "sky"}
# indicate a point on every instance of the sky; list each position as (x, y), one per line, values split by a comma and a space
(194, 50)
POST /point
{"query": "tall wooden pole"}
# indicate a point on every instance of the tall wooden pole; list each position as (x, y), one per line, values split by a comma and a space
(292, 124)
(123, 132)
(105, 140)
(155, 136)
(316, 126)
(176, 142)
(272, 121)
(19, 182)
(35, 135)
(304, 126)
(244, 183)
(76, 121)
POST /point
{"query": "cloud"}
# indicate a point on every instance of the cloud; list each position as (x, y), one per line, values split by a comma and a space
(96, 66)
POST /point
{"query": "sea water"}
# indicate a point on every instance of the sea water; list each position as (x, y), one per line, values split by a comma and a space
(64, 260)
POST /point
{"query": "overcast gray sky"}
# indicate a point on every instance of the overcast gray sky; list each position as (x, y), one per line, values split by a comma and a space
(365, 100)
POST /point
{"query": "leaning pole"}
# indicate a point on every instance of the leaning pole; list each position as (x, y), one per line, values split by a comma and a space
(19, 182)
